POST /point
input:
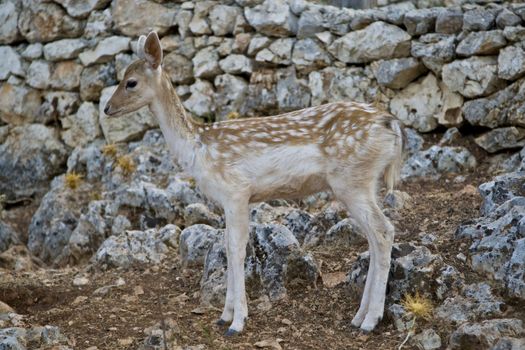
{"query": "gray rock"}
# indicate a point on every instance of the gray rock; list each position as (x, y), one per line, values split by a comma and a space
(82, 127)
(473, 77)
(82, 8)
(292, 93)
(236, 64)
(421, 21)
(8, 236)
(64, 49)
(485, 334)
(274, 262)
(514, 33)
(425, 103)
(179, 68)
(414, 142)
(499, 109)
(195, 241)
(230, 95)
(501, 138)
(398, 73)
(346, 232)
(58, 104)
(95, 78)
(309, 55)
(35, 162)
(201, 101)
(206, 63)
(434, 50)
(258, 43)
(183, 19)
(428, 339)
(377, 41)
(66, 76)
(336, 84)
(449, 21)
(507, 18)
(222, 19)
(44, 22)
(298, 222)
(478, 19)
(124, 12)
(279, 52)
(321, 223)
(11, 63)
(438, 160)
(33, 51)
(272, 18)
(9, 13)
(98, 24)
(482, 43)
(199, 24)
(198, 213)
(137, 247)
(105, 50)
(129, 127)
(39, 74)
(450, 137)
(411, 267)
(337, 21)
(310, 23)
(509, 343)
(19, 104)
(511, 62)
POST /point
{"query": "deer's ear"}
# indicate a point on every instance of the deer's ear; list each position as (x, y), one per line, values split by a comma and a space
(153, 50)
(140, 47)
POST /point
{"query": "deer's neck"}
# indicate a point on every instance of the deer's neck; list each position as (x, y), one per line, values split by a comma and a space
(179, 130)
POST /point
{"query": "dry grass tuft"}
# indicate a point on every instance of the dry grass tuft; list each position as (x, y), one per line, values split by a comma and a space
(232, 115)
(126, 164)
(419, 306)
(110, 150)
(73, 180)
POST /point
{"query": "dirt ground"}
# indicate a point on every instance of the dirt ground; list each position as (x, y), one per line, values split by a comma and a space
(310, 318)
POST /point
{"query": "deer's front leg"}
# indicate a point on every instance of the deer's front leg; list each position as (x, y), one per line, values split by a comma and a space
(237, 226)
(227, 313)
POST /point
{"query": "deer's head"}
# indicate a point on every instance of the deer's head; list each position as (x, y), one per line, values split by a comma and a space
(141, 80)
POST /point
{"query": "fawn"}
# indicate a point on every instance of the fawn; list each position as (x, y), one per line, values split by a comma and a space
(344, 147)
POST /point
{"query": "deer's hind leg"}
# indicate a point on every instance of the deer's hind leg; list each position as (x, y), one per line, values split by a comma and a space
(361, 203)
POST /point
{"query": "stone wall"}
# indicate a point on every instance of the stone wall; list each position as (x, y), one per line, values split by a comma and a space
(435, 66)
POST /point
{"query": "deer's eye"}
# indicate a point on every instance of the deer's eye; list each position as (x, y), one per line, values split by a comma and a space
(130, 84)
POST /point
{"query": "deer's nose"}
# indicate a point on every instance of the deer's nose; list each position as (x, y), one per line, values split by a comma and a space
(107, 108)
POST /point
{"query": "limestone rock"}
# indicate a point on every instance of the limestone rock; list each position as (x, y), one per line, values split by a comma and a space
(511, 62)
(99, 24)
(206, 63)
(485, 334)
(11, 63)
(179, 68)
(127, 127)
(481, 43)
(95, 78)
(507, 18)
(46, 21)
(39, 74)
(478, 19)
(105, 50)
(82, 8)
(159, 17)
(66, 76)
(9, 13)
(514, 33)
(236, 64)
(137, 247)
(8, 237)
(198, 213)
(279, 52)
(473, 77)
(310, 23)
(434, 50)
(272, 18)
(309, 55)
(19, 104)
(436, 160)
(377, 41)
(231, 94)
(199, 24)
(33, 51)
(292, 93)
(64, 49)
(398, 73)
(425, 103)
(81, 127)
(502, 108)
(501, 138)
(449, 21)
(195, 242)
(421, 21)
(201, 101)
(222, 19)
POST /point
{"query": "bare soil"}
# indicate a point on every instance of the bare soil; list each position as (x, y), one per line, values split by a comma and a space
(309, 318)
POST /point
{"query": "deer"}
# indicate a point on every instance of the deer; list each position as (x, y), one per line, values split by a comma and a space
(346, 148)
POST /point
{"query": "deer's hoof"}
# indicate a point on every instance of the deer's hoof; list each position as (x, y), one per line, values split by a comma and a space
(220, 322)
(231, 333)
